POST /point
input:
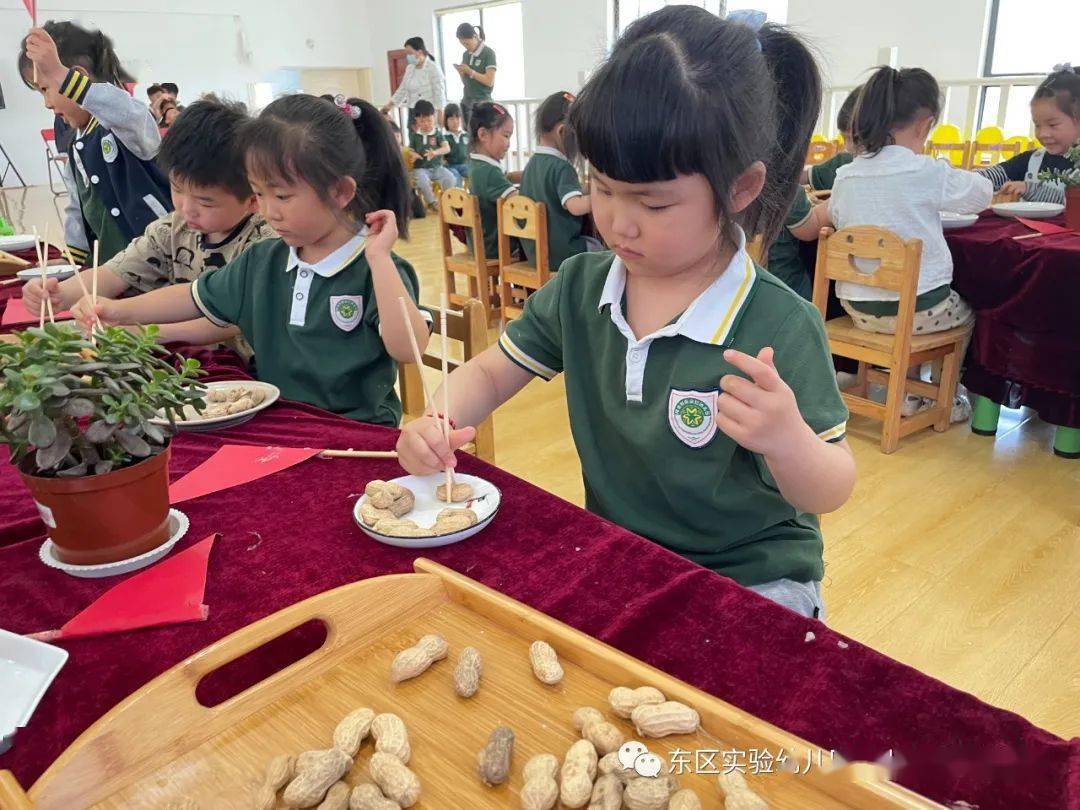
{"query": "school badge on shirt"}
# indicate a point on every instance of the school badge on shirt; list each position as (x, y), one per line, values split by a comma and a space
(109, 149)
(690, 414)
(345, 310)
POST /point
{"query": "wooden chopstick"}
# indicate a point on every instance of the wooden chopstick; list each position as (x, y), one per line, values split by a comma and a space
(350, 453)
(446, 391)
(1033, 235)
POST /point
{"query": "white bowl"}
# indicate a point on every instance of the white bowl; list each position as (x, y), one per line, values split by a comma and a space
(221, 422)
(951, 221)
(1029, 210)
(178, 526)
(57, 271)
(20, 241)
(27, 667)
(485, 502)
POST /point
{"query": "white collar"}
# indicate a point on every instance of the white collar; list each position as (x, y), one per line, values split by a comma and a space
(550, 150)
(334, 263)
(486, 159)
(711, 316)
(479, 48)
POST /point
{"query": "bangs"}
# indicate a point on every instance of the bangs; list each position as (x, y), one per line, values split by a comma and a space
(272, 152)
(636, 121)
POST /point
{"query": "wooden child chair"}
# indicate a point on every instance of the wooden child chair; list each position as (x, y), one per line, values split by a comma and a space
(459, 209)
(990, 147)
(947, 142)
(898, 271)
(521, 218)
(468, 327)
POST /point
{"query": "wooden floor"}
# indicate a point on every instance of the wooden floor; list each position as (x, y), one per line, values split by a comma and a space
(958, 554)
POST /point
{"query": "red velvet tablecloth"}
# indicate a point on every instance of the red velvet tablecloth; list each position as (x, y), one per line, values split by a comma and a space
(291, 535)
(1026, 345)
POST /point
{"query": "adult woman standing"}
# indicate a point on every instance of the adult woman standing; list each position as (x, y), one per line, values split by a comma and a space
(423, 81)
(477, 68)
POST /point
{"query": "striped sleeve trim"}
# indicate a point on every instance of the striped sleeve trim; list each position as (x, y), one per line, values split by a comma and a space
(79, 255)
(210, 316)
(75, 85)
(509, 191)
(834, 434)
(518, 357)
(1043, 191)
(570, 195)
(996, 175)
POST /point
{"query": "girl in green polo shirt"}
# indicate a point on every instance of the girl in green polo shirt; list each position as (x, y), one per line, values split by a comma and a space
(490, 131)
(550, 177)
(320, 304)
(700, 388)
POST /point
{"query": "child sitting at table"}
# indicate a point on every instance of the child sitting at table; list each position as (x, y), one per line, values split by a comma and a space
(1055, 109)
(320, 304)
(700, 388)
(429, 145)
(115, 188)
(214, 221)
(550, 177)
(457, 159)
(822, 176)
(890, 184)
(490, 128)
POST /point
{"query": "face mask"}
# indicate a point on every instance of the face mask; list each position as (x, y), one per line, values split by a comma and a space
(411, 58)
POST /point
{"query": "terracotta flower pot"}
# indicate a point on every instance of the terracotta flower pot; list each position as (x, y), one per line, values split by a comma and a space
(1072, 208)
(104, 518)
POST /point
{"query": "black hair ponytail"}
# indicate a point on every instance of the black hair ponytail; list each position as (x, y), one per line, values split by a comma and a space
(385, 172)
(417, 44)
(487, 115)
(304, 137)
(890, 99)
(797, 83)
(468, 31)
(81, 47)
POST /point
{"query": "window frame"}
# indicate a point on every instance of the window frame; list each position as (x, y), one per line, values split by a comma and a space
(991, 44)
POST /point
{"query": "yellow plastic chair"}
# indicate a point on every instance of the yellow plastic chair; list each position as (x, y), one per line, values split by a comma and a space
(947, 142)
(990, 147)
(817, 137)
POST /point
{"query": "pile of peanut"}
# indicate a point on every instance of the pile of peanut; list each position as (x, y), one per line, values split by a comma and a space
(388, 503)
(591, 774)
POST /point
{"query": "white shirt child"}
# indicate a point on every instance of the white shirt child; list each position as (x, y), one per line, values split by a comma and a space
(903, 192)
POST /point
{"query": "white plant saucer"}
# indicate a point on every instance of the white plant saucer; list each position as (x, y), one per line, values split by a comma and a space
(178, 526)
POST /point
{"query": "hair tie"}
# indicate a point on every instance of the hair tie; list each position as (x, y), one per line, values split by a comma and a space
(351, 110)
(499, 108)
(568, 97)
(752, 19)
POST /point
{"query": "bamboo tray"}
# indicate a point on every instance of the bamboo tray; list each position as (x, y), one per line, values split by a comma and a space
(161, 748)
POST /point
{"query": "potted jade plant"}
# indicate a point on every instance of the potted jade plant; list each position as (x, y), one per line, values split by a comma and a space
(1071, 180)
(75, 416)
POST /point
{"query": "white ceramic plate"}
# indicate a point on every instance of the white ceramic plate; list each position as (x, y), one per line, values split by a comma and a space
(57, 271)
(951, 221)
(27, 667)
(1029, 210)
(178, 526)
(221, 422)
(485, 502)
(20, 241)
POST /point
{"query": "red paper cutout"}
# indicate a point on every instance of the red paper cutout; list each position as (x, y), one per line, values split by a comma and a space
(235, 464)
(15, 314)
(31, 6)
(170, 592)
(1045, 228)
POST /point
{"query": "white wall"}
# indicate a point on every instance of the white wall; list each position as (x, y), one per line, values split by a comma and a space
(211, 45)
(563, 39)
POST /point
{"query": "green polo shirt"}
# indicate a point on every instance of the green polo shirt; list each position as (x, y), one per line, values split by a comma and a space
(459, 148)
(480, 62)
(488, 184)
(823, 175)
(420, 142)
(551, 179)
(314, 328)
(784, 260)
(641, 411)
